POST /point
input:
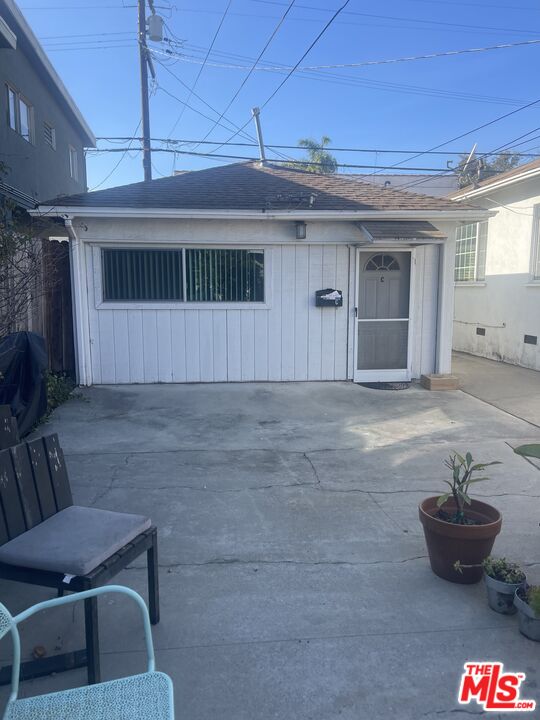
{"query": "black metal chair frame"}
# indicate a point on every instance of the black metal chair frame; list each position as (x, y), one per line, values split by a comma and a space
(35, 486)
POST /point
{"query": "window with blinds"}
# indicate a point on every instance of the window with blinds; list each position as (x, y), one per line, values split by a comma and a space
(183, 275)
(142, 275)
(214, 275)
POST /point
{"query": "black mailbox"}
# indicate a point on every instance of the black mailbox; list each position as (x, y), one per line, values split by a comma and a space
(328, 298)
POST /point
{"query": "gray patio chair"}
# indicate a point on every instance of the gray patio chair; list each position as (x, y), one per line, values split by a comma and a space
(147, 696)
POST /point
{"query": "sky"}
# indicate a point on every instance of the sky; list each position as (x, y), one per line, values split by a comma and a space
(413, 105)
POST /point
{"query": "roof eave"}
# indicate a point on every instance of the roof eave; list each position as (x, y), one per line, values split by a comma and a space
(8, 36)
(494, 185)
(458, 214)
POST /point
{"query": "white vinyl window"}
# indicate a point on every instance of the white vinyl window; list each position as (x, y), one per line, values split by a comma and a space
(471, 246)
(73, 163)
(20, 114)
(535, 245)
(198, 275)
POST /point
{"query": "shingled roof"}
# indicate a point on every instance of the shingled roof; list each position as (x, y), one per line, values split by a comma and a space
(252, 186)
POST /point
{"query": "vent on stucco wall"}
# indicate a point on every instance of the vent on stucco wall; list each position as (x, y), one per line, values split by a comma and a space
(480, 331)
(530, 339)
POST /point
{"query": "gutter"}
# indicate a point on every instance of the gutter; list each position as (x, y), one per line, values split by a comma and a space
(80, 305)
(339, 215)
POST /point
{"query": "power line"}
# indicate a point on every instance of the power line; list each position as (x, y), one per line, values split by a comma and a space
(442, 26)
(254, 65)
(508, 145)
(122, 158)
(175, 97)
(422, 21)
(194, 85)
(470, 132)
(366, 63)
(90, 47)
(98, 35)
(301, 147)
(256, 159)
(292, 70)
(354, 81)
(196, 95)
(482, 6)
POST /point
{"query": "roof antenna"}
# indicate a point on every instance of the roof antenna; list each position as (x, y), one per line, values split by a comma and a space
(256, 112)
(468, 167)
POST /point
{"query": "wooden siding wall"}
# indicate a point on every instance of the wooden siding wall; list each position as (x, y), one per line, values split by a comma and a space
(291, 340)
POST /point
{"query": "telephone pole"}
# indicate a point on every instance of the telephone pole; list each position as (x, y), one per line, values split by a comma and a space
(145, 62)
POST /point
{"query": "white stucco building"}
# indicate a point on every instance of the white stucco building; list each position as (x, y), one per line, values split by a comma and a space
(251, 272)
(497, 295)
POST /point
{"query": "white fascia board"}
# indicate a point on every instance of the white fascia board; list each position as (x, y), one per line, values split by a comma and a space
(55, 78)
(7, 33)
(497, 185)
(152, 213)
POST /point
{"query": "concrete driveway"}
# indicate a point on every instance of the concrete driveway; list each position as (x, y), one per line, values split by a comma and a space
(294, 577)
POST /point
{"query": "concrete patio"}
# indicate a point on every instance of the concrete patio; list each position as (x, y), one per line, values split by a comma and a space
(294, 578)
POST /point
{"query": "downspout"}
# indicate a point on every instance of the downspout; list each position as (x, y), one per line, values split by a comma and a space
(79, 304)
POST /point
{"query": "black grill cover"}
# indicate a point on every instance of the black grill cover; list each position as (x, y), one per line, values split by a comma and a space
(23, 363)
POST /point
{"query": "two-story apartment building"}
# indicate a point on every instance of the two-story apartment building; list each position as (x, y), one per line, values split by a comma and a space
(42, 140)
(42, 132)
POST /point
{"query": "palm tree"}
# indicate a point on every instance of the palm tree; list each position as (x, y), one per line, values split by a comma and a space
(318, 159)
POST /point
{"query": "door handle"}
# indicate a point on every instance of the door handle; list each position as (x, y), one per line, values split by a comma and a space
(355, 312)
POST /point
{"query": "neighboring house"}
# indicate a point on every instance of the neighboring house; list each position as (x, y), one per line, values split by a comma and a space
(497, 297)
(212, 276)
(42, 132)
(42, 141)
(436, 185)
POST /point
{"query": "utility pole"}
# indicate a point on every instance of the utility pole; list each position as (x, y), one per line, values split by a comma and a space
(145, 62)
(256, 113)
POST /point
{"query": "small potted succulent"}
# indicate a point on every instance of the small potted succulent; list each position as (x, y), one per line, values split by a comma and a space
(502, 579)
(527, 602)
(458, 529)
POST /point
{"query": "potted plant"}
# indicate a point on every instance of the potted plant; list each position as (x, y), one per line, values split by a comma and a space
(459, 530)
(527, 602)
(502, 579)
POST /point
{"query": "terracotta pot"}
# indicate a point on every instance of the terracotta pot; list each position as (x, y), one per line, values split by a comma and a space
(470, 544)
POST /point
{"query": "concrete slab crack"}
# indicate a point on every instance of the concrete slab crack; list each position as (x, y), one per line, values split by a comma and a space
(285, 561)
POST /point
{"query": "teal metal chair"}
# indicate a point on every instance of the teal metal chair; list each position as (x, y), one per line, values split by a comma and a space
(148, 696)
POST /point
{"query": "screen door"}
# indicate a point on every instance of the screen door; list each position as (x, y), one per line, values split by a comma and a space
(382, 316)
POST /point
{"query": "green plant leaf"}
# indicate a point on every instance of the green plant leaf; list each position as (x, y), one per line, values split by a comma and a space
(468, 457)
(442, 499)
(528, 450)
(459, 457)
(481, 466)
